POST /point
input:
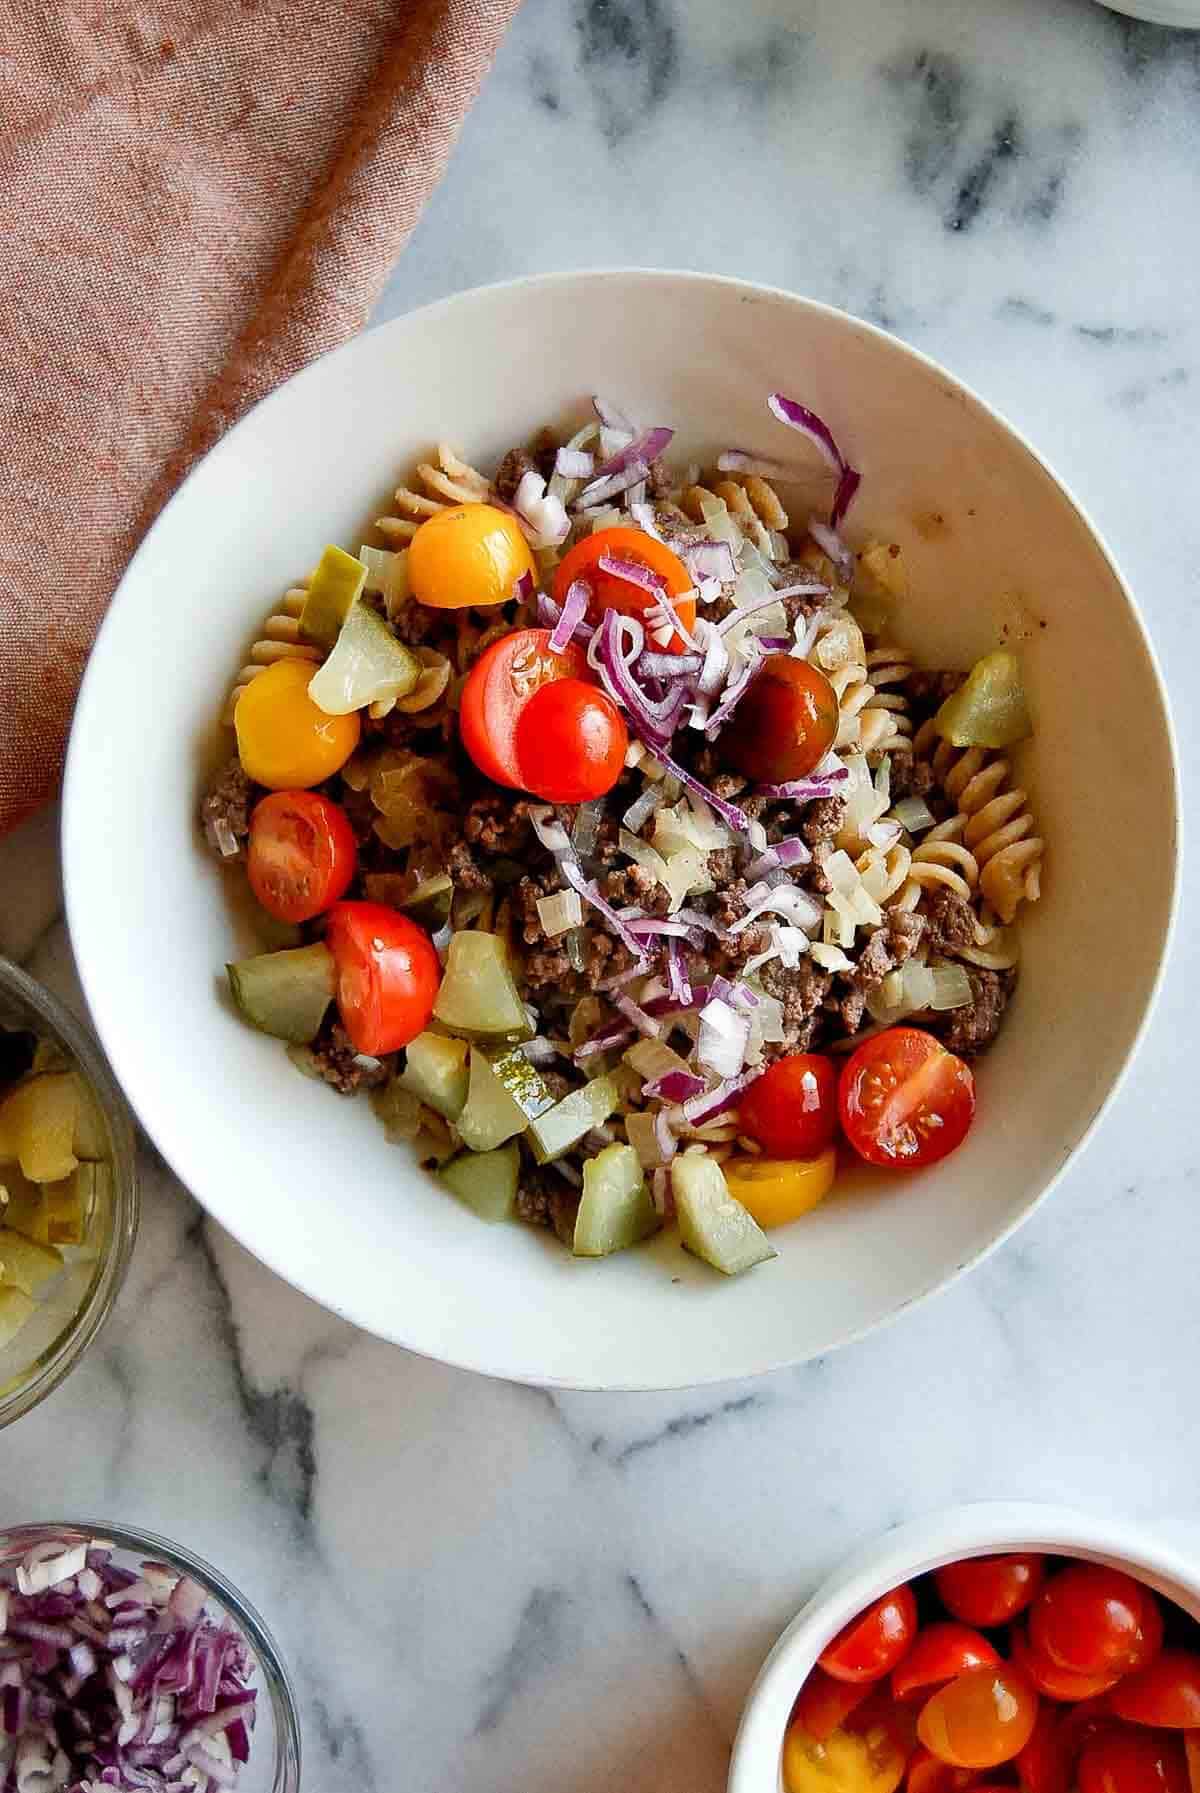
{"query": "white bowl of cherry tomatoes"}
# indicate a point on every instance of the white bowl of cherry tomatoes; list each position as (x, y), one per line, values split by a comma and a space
(990, 1647)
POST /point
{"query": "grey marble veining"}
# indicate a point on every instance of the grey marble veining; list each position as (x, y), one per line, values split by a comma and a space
(484, 1586)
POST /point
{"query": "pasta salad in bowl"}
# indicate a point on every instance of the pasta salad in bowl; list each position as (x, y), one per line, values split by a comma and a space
(629, 858)
(670, 817)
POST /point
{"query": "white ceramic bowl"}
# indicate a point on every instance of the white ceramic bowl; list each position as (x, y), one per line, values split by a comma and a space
(308, 1182)
(911, 1550)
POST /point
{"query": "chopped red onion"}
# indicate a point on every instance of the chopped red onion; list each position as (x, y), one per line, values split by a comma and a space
(715, 665)
(649, 927)
(642, 807)
(830, 542)
(742, 611)
(653, 720)
(660, 1191)
(695, 918)
(666, 666)
(664, 1139)
(801, 790)
(523, 589)
(810, 589)
(619, 978)
(730, 814)
(619, 1035)
(732, 696)
(644, 1023)
(610, 415)
(550, 830)
(775, 644)
(579, 596)
(574, 463)
(736, 460)
(633, 572)
(716, 1101)
(641, 451)
(644, 516)
(678, 983)
(709, 560)
(573, 873)
(601, 490)
(789, 852)
(724, 1035)
(674, 1086)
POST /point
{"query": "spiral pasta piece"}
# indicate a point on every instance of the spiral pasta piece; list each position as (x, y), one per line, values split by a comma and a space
(998, 828)
(453, 481)
(280, 640)
(884, 719)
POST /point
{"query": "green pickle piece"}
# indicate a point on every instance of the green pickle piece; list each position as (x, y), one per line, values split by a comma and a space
(435, 1071)
(24, 1264)
(429, 904)
(989, 707)
(336, 584)
(38, 1118)
(486, 1181)
(367, 664)
(616, 1210)
(562, 1126)
(15, 1309)
(478, 997)
(285, 994)
(491, 1115)
(711, 1223)
(524, 1083)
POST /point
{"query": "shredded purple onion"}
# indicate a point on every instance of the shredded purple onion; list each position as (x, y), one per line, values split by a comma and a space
(633, 572)
(716, 1101)
(666, 666)
(122, 1679)
(579, 596)
(610, 415)
(523, 589)
(665, 1140)
(644, 1023)
(830, 542)
(737, 460)
(644, 449)
(732, 696)
(799, 417)
(710, 560)
(574, 463)
(618, 1035)
(589, 891)
(674, 1086)
(800, 790)
(789, 852)
(678, 983)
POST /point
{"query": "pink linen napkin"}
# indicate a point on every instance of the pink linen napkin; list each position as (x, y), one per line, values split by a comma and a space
(196, 198)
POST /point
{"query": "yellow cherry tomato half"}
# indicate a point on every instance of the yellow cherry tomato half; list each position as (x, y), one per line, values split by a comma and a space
(869, 1759)
(469, 554)
(776, 1190)
(285, 740)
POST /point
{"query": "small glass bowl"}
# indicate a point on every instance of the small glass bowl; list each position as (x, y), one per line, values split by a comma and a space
(67, 1320)
(274, 1764)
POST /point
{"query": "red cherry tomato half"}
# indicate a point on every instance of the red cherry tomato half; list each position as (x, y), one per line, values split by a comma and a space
(905, 1101)
(609, 592)
(1095, 1621)
(871, 1645)
(942, 1650)
(925, 1774)
(785, 724)
(1166, 1692)
(1191, 1750)
(301, 854)
(823, 1703)
(1056, 1683)
(989, 1590)
(1125, 1760)
(983, 1717)
(387, 975)
(791, 1110)
(1044, 1765)
(570, 742)
(498, 687)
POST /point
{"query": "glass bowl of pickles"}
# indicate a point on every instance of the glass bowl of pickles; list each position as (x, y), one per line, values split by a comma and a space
(68, 1192)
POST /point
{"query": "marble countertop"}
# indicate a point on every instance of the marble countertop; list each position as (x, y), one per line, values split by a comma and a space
(494, 1587)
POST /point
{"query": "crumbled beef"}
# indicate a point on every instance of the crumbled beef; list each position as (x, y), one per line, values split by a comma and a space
(874, 961)
(816, 877)
(335, 1060)
(905, 933)
(949, 921)
(971, 1029)
(392, 888)
(551, 968)
(802, 993)
(416, 732)
(526, 894)
(660, 480)
(722, 865)
(607, 849)
(498, 824)
(851, 1007)
(460, 863)
(421, 626)
(227, 807)
(557, 1085)
(910, 776)
(728, 785)
(822, 819)
(603, 956)
(511, 471)
(928, 691)
(635, 884)
(544, 1199)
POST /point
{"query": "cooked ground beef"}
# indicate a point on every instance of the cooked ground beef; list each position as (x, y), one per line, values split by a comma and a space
(460, 863)
(551, 967)
(970, 1029)
(910, 776)
(817, 878)
(729, 785)
(905, 933)
(526, 894)
(949, 921)
(420, 626)
(499, 824)
(928, 691)
(335, 1060)
(874, 961)
(228, 803)
(851, 1006)
(511, 471)
(634, 884)
(660, 481)
(546, 1199)
(822, 819)
(802, 993)
(722, 865)
(603, 956)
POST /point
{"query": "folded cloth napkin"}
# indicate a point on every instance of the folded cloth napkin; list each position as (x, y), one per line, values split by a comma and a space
(196, 198)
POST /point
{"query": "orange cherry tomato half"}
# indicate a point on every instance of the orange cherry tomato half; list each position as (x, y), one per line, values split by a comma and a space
(1166, 1692)
(823, 1703)
(983, 1717)
(1191, 1750)
(791, 1110)
(784, 725)
(570, 742)
(387, 975)
(905, 1101)
(612, 593)
(925, 1774)
(942, 1650)
(871, 1645)
(1127, 1760)
(1095, 1621)
(301, 854)
(498, 687)
(1044, 1765)
(989, 1590)
(1056, 1683)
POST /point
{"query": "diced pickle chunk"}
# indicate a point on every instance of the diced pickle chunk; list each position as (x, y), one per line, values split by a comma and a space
(615, 1211)
(711, 1223)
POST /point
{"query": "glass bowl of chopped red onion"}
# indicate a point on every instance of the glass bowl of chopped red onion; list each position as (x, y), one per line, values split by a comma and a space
(128, 1663)
(68, 1191)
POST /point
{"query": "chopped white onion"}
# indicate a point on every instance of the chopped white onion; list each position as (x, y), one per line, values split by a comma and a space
(559, 912)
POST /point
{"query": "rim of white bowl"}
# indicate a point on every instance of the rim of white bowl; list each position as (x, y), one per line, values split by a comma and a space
(912, 1549)
(76, 864)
